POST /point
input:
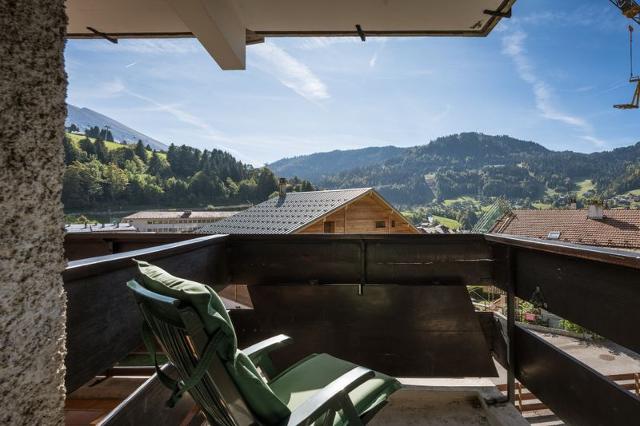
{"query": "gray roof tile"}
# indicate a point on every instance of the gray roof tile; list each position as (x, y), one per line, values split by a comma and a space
(284, 215)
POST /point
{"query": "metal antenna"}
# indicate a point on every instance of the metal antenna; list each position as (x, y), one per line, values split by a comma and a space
(630, 52)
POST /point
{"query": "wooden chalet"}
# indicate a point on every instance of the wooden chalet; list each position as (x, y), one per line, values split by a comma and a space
(340, 211)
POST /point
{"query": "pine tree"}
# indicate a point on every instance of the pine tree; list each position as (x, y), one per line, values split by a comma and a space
(267, 184)
(70, 151)
(88, 147)
(102, 153)
(141, 151)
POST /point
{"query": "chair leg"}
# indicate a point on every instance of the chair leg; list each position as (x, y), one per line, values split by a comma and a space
(349, 411)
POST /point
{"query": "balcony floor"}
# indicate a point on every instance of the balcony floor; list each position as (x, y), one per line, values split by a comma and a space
(447, 402)
(420, 402)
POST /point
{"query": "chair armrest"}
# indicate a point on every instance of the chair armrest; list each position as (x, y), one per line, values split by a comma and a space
(259, 353)
(267, 346)
(333, 396)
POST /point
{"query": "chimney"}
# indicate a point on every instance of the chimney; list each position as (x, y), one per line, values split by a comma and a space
(282, 187)
(596, 210)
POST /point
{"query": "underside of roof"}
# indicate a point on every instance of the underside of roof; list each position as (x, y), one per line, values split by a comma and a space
(224, 27)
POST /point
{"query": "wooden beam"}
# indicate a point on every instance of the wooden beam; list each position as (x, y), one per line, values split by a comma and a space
(344, 227)
(218, 28)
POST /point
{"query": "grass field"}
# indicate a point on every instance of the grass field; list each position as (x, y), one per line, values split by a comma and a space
(74, 138)
(541, 206)
(449, 223)
(584, 186)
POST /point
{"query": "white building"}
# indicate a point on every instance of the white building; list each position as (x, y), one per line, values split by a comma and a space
(174, 221)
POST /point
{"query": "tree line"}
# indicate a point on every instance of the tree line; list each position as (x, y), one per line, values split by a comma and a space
(135, 175)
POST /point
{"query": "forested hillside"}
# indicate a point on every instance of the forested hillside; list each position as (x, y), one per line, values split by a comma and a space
(101, 173)
(477, 165)
(315, 167)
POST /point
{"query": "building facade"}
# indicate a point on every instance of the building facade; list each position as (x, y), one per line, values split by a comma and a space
(174, 221)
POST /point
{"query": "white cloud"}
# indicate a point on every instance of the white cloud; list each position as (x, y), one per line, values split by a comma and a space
(290, 72)
(108, 89)
(513, 46)
(597, 142)
(186, 117)
(373, 60)
(311, 43)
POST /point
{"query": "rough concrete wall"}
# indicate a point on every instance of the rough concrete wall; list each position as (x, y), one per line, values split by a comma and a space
(32, 300)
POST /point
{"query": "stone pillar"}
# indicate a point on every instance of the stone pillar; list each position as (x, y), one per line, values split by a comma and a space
(32, 300)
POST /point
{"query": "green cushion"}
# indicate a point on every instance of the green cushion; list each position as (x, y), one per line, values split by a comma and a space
(263, 402)
(204, 300)
(300, 381)
(258, 396)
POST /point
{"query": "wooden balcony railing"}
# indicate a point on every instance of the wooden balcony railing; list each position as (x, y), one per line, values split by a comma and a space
(396, 303)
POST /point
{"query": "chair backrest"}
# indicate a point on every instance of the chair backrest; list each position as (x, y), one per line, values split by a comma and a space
(183, 338)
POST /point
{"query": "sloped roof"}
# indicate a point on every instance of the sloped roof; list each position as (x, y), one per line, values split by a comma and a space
(284, 215)
(99, 227)
(618, 228)
(179, 214)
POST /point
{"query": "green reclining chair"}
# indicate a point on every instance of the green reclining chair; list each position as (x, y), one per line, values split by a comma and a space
(240, 387)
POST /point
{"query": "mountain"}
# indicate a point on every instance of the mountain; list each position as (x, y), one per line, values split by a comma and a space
(476, 165)
(85, 118)
(316, 166)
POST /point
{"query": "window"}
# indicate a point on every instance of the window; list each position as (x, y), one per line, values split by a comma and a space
(380, 224)
(329, 227)
(393, 223)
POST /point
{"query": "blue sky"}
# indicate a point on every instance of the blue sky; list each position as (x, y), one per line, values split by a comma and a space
(550, 74)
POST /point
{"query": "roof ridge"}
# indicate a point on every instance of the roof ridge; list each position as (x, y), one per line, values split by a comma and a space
(332, 190)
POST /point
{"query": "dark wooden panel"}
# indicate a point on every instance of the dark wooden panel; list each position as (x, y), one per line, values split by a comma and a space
(293, 259)
(414, 331)
(576, 393)
(146, 406)
(495, 333)
(103, 323)
(572, 390)
(328, 259)
(464, 260)
(91, 244)
(602, 297)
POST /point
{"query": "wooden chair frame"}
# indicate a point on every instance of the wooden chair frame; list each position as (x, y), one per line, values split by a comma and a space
(182, 335)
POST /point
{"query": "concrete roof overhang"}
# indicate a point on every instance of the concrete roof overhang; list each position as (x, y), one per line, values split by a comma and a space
(225, 27)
